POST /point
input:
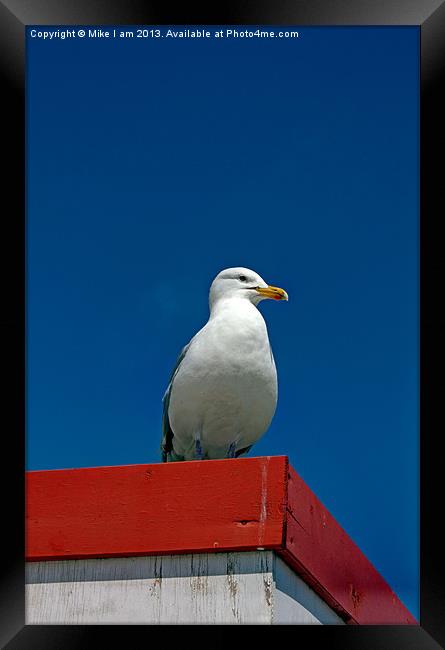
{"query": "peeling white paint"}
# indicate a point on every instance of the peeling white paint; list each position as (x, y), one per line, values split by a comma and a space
(230, 588)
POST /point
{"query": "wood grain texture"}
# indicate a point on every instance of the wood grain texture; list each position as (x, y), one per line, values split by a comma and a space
(218, 588)
(319, 550)
(207, 506)
(160, 508)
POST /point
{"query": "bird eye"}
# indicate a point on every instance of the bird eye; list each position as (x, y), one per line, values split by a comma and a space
(243, 278)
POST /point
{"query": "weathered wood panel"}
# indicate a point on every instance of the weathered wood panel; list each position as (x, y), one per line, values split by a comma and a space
(196, 506)
(207, 506)
(329, 561)
(225, 588)
(295, 602)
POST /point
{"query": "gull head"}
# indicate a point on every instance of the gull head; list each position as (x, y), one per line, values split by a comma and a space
(239, 282)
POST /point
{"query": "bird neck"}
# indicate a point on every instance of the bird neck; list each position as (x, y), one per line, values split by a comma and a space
(226, 306)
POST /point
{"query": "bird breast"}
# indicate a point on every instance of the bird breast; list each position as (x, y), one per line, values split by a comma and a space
(227, 382)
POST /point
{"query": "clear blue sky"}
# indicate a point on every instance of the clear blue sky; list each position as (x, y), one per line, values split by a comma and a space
(152, 165)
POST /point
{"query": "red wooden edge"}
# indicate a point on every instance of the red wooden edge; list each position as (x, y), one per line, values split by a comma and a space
(206, 506)
(318, 549)
(153, 509)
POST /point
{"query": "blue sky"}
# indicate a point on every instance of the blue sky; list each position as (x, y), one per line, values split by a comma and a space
(152, 165)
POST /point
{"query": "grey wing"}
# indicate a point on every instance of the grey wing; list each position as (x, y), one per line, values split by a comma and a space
(245, 450)
(167, 433)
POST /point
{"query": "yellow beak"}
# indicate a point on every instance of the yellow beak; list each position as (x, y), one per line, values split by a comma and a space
(273, 292)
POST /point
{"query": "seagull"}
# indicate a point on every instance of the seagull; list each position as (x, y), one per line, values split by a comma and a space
(222, 393)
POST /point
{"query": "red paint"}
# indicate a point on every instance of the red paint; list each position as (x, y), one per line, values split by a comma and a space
(153, 509)
(205, 506)
(320, 550)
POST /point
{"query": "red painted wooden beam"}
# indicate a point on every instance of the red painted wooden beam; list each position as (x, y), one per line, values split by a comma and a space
(195, 506)
(206, 506)
(332, 564)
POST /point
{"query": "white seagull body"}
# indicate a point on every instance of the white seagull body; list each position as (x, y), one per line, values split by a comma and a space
(222, 393)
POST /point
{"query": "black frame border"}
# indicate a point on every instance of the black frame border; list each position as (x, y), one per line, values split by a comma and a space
(429, 16)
